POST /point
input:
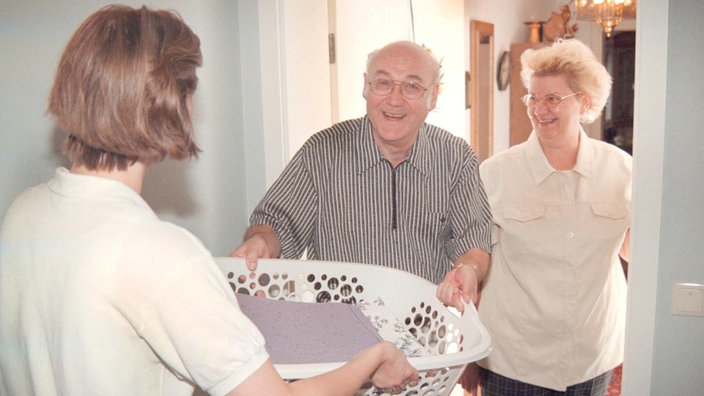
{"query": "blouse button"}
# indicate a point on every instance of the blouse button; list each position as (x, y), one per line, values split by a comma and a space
(570, 235)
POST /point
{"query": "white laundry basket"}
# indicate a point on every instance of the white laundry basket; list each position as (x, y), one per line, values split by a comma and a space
(453, 341)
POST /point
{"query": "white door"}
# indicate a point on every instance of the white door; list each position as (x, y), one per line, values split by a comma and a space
(317, 93)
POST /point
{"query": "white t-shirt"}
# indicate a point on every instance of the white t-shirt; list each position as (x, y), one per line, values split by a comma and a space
(554, 301)
(100, 297)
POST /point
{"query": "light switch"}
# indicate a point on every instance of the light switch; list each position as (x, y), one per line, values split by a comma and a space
(688, 299)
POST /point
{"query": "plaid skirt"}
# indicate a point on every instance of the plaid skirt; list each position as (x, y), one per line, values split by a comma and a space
(497, 385)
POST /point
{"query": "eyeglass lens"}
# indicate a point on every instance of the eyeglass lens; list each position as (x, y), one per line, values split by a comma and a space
(550, 100)
(409, 89)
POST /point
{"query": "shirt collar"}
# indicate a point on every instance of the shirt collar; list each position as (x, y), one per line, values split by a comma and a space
(585, 157)
(93, 187)
(369, 155)
(540, 168)
(419, 157)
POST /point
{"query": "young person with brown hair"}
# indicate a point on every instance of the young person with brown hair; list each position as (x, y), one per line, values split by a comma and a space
(97, 295)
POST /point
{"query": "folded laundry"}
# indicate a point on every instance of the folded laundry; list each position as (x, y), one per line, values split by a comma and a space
(391, 329)
(309, 333)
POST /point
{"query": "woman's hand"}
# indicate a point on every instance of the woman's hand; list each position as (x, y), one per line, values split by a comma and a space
(394, 371)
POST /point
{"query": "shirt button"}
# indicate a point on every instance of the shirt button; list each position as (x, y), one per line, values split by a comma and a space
(570, 235)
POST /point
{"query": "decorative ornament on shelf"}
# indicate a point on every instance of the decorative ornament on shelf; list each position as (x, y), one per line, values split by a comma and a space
(607, 13)
(557, 26)
(442, 73)
(536, 28)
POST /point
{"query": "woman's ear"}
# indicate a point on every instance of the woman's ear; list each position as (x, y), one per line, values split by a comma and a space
(586, 103)
(189, 106)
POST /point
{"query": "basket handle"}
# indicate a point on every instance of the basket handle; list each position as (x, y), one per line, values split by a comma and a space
(470, 309)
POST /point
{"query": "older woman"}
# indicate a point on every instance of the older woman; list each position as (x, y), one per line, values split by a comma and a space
(554, 301)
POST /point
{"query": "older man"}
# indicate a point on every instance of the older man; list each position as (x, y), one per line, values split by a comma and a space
(384, 189)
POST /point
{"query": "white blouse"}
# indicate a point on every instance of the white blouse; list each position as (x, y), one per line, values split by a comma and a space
(554, 301)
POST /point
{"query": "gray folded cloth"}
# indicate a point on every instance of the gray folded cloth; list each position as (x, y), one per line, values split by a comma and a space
(308, 333)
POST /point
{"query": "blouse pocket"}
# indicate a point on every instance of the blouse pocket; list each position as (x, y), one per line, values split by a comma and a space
(522, 213)
(610, 221)
(516, 223)
(520, 233)
(611, 211)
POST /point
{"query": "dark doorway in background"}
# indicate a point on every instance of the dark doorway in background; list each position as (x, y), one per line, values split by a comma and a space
(620, 59)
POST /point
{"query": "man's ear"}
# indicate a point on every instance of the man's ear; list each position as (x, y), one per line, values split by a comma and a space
(365, 89)
(432, 99)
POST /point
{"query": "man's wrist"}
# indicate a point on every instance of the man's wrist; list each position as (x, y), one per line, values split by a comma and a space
(474, 266)
(471, 265)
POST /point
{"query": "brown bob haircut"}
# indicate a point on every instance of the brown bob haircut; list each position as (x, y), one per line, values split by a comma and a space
(123, 86)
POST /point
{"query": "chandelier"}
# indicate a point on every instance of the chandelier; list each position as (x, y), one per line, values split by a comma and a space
(607, 13)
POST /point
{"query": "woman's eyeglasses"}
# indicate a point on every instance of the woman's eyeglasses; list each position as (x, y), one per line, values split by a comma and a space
(551, 100)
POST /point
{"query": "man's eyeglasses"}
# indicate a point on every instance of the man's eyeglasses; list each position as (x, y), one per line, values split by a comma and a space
(409, 89)
(550, 101)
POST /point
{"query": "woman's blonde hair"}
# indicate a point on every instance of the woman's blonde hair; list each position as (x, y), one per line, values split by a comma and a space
(572, 58)
(123, 86)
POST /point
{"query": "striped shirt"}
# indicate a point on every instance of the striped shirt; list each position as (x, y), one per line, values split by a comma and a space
(340, 200)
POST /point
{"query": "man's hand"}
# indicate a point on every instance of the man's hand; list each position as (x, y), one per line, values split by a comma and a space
(461, 283)
(459, 287)
(260, 242)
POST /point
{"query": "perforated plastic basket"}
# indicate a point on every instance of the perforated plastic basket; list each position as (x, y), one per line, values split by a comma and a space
(453, 341)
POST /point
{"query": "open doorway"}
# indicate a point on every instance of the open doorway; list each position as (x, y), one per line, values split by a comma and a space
(620, 59)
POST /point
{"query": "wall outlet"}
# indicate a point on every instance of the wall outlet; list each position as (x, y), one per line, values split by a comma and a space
(688, 299)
